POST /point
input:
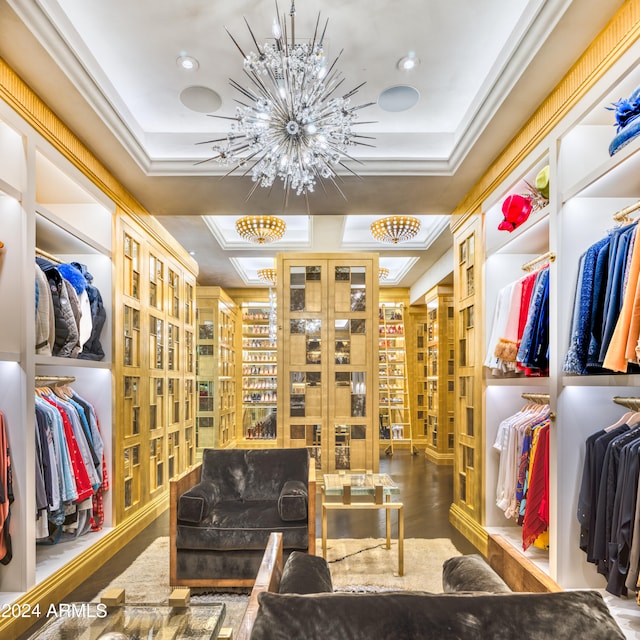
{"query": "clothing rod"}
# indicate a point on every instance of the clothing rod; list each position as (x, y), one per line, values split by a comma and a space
(629, 403)
(48, 256)
(623, 214)
(56, 379)
(545, 257)
(538, 398)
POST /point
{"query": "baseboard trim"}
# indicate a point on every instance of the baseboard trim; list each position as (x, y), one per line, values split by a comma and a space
(444, 459)
(62, 582)
(469, 528)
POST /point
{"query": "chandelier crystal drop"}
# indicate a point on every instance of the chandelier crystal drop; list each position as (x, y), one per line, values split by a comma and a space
(291, 123)
(268, 275)
(394, 229)
(261, 229)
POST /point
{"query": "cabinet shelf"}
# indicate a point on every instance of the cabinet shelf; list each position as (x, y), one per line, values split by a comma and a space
(10, 190)
(63, 238)
(54, 361)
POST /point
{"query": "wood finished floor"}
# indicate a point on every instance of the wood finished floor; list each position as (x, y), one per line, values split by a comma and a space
(426, 491)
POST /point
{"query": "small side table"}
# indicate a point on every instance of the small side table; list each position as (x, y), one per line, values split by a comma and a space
(363, 491)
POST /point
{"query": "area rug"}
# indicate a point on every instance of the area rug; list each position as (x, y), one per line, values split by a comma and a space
(359, 563)
(356, 565)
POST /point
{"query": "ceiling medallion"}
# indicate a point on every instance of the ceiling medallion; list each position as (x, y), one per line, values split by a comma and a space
(383, 273)
(394, 229)
(268, 275)
(261, 229)
(291, 123)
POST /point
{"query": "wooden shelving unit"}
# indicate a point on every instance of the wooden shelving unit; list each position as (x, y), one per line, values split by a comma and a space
(433, 347)
(217, 368)
(394, 400)
(259, 373)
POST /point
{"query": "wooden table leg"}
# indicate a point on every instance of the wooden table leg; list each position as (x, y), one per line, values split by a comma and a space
(387, 513)
(324, 531)
(401, 541)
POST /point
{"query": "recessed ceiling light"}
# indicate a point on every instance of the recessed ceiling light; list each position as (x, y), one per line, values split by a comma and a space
(187, 63)
(408, 62)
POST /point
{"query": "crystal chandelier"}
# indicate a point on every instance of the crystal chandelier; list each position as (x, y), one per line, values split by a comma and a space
(394, 229)
(261, 229)
(383, 273)
(291, 124)
(268, 275)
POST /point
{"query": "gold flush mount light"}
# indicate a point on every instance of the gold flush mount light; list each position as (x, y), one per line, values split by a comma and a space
(260, 229)
(383, 273)
(394, 229)
(268, 275)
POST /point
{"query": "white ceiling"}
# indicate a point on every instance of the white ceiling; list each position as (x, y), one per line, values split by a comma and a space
(109, 69)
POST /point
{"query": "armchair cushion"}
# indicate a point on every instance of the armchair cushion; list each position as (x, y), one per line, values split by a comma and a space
(304, 573)
(292, 502)
(195, 504)
(240, 525)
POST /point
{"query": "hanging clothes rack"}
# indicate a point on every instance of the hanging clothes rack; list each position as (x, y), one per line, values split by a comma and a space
(537, 398)
(43, 254)
(55, 380)
(623, 214)
(629, 403)
(549, 256)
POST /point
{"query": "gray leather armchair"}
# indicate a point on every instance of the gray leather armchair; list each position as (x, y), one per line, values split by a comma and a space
(223, 510)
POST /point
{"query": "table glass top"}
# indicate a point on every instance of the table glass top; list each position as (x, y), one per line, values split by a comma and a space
(362, 484)
(92, 620)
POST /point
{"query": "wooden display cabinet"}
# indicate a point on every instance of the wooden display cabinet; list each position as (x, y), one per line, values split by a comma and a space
(467, 510)
(433, 348)
(217, 324)
(328, 358)
(154, 344)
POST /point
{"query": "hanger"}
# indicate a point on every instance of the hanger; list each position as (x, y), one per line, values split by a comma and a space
(623, 420)
(634, 419)
(63, 391)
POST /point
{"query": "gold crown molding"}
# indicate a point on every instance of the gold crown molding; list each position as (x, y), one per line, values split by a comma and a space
(20, 97)
(36, 113)
(614, 40)
(248, 294)
(394, 295)
(62, 582)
